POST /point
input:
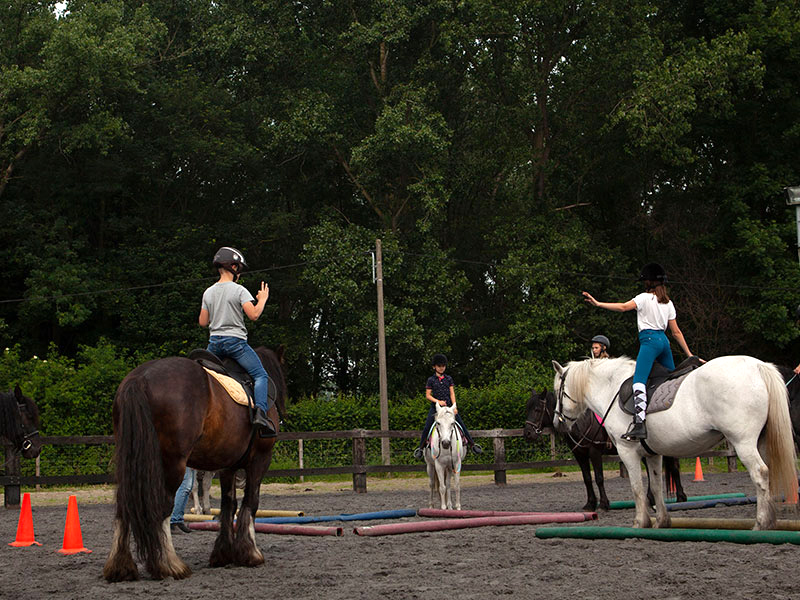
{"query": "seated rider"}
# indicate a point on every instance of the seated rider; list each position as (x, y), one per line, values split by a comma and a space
(224, 306)
(439, 390)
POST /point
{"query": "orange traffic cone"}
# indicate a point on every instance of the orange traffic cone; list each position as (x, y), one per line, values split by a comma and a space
(73, 540)
(25, 526)
(698, 471)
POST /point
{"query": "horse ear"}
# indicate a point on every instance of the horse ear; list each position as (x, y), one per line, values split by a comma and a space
(559, 369)
(281, 352)
(18, 393)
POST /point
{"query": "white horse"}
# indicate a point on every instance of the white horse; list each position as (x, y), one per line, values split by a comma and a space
(444, 456)
(736, 397)
(201, 490)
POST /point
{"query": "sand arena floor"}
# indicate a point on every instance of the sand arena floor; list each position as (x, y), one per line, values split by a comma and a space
(469, 563)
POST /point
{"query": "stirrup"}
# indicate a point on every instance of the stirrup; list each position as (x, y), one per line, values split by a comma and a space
(636, 431)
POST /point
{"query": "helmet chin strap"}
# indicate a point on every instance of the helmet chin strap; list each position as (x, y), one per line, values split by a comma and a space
(233, 272)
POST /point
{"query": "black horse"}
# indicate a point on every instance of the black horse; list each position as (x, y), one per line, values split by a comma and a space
(19, 422)
(588, 442)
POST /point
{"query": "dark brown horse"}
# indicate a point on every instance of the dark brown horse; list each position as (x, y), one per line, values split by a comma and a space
(169, 414)
(19, 422)
(588, 442)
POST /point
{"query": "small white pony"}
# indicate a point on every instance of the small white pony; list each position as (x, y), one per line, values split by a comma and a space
(736, 397)
(444, 457)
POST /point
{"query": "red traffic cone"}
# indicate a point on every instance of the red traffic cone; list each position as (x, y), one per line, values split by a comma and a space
(73, 540)
(698, 471)
(25, 526)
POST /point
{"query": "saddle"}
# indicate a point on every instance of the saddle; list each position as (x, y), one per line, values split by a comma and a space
(227, 368)
(662, 385)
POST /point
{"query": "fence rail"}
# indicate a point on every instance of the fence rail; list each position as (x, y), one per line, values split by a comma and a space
(13, 478)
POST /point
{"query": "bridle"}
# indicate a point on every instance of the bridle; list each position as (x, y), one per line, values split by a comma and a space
(572, 421)
(562, 393)
(26, 443)
(537, 427)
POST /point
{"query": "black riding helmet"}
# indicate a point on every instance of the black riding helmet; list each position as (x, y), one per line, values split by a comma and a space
(228, 257)
(601, 339)
(439, 359)
(653, 272)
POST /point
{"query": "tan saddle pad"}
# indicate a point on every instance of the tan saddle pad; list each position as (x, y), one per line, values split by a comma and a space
(233, 387)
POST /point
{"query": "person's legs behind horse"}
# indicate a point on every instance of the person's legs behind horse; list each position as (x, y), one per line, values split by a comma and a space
(240, 351)
(176, 521)
(476, 448)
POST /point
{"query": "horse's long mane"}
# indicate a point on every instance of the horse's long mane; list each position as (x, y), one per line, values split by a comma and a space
(10, 423)
(10, 426)
(582, 371)
(273, 363)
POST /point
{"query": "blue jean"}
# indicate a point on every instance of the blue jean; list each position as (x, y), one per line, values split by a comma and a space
(653, 346)
(182, 496)
(240, 351)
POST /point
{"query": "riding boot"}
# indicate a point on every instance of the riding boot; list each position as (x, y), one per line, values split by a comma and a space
(637, 430)
(265, 428)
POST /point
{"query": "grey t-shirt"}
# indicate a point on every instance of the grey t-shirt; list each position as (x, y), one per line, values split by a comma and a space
(223, 301)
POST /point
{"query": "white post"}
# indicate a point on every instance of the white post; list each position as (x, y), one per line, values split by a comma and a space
(384, 400)
(300, 456)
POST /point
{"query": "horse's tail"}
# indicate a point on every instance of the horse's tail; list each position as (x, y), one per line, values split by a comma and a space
(142, 499)
(780, 442)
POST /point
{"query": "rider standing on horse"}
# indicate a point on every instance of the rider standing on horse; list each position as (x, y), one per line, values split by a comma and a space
(654, 313)
(224, 305)
(440, 390)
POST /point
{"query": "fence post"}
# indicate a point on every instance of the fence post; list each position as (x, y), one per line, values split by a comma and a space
(552, 446)
(359, 462)
(11, 493)
(499, 459)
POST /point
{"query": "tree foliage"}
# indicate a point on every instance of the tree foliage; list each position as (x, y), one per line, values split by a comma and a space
(508, 155)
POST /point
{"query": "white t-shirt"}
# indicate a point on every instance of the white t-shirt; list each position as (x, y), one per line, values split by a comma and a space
(652, 315)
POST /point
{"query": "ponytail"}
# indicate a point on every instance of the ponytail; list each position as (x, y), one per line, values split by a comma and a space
(659, 289)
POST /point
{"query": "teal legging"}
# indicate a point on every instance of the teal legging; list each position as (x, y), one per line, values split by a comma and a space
(653, 346)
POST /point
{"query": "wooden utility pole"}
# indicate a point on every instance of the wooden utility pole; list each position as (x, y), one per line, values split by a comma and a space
(382, 355)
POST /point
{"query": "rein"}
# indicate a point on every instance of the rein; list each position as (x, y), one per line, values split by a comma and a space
(584, 437)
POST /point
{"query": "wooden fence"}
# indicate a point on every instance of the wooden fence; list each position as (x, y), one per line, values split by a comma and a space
(13, 478)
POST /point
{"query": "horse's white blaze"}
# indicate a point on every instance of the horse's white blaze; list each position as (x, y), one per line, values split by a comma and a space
(444, 459)
(736, 397)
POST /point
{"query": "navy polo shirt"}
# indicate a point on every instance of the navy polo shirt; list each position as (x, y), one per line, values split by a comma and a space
(440, 388)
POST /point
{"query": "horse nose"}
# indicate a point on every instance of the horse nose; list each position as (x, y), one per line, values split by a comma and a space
(446, 444)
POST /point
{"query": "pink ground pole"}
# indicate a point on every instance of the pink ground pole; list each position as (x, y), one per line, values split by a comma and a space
(440, 513)
(278, 529)
(443, 524)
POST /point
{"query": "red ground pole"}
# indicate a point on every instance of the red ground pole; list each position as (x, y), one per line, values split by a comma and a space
(444, 524)
(278, 529)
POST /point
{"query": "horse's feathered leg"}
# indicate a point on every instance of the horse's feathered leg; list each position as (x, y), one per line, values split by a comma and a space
(655, 472)
(120, 565)
(223, 552)
(247, 551)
